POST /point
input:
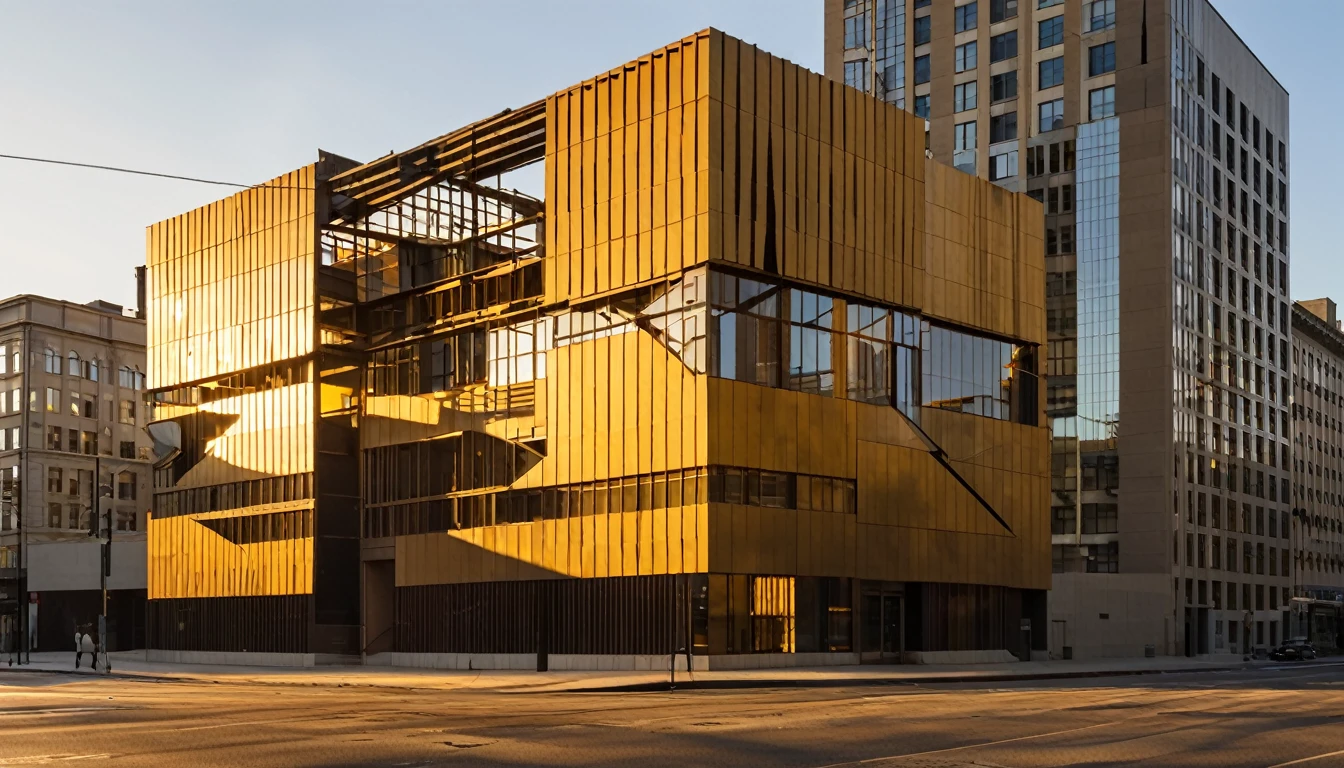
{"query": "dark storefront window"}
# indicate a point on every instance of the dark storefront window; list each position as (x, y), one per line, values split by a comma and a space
(780, 614)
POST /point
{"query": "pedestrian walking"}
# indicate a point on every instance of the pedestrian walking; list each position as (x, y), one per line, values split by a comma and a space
(84, 644)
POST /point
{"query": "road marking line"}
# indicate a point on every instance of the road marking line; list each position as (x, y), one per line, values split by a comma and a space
(971, 746)
(222, 725)
(43, 759)
(1308, 759)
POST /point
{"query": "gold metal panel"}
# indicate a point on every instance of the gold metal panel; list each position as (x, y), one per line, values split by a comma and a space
(188, 559)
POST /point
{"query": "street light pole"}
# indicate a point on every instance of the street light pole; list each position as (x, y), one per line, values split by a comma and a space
(96, 527)
(21, 575)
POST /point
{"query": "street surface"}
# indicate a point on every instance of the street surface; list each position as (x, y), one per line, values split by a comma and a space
(1274, 716)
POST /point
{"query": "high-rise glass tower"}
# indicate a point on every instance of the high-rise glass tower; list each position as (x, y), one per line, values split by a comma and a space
(1158, 144)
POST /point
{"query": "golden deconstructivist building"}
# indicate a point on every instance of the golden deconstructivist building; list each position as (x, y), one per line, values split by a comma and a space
(750, 375)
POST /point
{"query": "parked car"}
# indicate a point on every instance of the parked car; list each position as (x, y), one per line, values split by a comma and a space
(1296, 650)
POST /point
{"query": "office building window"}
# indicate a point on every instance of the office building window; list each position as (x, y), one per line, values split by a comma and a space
(1003, 162)
(1104, 558)
(51, 362)
(127, 449)
(1101, 103)
(921, 69)
(1100, 59)
(53, 400)
(1002, 46)
(965, 57)
(923, 29)
(1050, 73)
(126, 486)
(1000, 10)
(1003, 87)
(1059, 199)
(1100, 518)
(1052, 115)
(966, 17)
(964, 96)
(856, 74)
(1050, 32)
(964, 136)
(1099, 15)
(1003, 127)
(130, 378)
(856, 24)
(922, 106)
(1048, 3)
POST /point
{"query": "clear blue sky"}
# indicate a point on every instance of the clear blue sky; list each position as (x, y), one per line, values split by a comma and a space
(244, 90)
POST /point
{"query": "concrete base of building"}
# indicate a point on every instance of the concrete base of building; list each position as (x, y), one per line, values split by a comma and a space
(242, 659)
(960, 657)
(555, 662)
(780, 660)
(1111, 615)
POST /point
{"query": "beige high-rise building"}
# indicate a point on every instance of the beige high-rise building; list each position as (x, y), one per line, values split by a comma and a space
(72, 409)
(1158, 143)
(1318, 471)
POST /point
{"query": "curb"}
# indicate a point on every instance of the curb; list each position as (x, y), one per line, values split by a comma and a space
(25, 669)
(709, 685)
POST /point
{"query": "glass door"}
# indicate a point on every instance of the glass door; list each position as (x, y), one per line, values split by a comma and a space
(882, 622)
(891, 627)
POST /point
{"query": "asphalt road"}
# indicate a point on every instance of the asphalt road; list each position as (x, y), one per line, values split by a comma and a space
(1291, 715)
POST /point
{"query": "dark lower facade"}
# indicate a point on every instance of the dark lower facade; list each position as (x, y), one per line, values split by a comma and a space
(713, 615)
(60, 611)
(280, 624)
(1318, 621)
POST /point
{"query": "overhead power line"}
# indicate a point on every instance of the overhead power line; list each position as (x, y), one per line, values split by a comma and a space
(137, 172)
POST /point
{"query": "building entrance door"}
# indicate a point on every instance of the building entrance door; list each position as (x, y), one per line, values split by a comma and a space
(883, 623)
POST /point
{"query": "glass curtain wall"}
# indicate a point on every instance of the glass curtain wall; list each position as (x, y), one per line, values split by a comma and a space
(875, 48)
(1098, 279)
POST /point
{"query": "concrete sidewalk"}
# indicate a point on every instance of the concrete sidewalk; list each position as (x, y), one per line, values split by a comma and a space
(131, 665)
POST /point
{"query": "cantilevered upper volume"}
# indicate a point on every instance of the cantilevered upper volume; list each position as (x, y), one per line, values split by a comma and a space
(750, 370)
